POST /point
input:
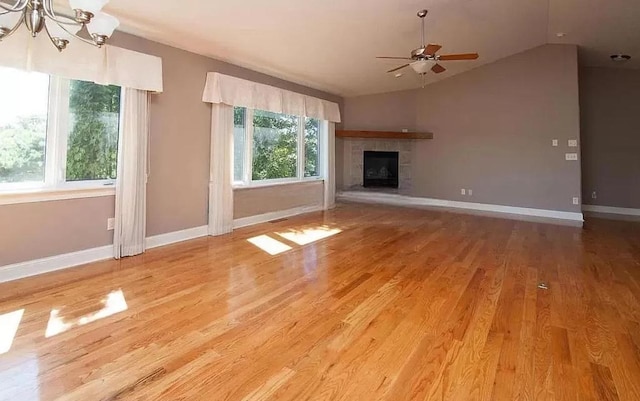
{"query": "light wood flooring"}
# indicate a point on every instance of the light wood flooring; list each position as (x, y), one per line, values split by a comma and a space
(360, 303)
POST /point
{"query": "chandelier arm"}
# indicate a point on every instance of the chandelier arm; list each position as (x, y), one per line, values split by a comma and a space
(90, 42)
(18, 6)
(59, 18)
(15, 28)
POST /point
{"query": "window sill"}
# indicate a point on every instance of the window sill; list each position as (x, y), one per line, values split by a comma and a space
(268, 184)
(53, 194)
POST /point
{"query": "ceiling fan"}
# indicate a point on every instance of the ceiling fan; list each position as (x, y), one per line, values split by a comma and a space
(425, 58)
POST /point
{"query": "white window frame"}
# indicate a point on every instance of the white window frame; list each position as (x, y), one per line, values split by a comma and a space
(247, 168)
(55, 186)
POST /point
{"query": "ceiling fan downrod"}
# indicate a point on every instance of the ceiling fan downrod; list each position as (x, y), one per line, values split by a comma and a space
(422, 14)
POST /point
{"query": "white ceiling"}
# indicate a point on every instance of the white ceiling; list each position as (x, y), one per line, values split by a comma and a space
(331, 45)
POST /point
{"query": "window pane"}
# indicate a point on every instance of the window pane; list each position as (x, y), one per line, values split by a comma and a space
(312, 147)
(24, 99)
(275, 141)
(94, 124)
(239, 129)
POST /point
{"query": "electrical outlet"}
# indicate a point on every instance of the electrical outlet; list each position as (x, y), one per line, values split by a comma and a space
(463, 191)
(571, 156)
(470, 192)
(573, 143)
(111, 224)
(594, 195)
(554, 142)
(576, 200)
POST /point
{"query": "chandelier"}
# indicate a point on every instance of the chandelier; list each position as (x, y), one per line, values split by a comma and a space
(39, 15)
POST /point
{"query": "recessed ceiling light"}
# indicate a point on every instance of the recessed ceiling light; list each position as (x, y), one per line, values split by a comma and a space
(620, 58)
(561, 34)
(398, 74)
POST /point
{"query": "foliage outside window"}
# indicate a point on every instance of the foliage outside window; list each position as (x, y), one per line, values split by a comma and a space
(56, 132)
(272, 147)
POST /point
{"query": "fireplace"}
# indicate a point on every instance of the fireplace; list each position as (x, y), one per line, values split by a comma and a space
(380, 169)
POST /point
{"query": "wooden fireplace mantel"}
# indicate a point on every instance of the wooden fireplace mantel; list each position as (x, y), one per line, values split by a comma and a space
(383, 134)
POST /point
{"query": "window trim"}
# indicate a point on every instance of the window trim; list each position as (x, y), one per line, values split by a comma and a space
(53, 194)
(247, 168)
(55, 185)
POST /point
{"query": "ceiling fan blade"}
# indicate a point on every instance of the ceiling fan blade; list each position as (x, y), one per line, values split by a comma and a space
(464, 56)
(437, 68)
(431, 49)
(396, 58)
(399, 68)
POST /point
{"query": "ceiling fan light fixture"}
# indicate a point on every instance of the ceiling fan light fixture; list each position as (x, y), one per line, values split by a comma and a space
(422, 66)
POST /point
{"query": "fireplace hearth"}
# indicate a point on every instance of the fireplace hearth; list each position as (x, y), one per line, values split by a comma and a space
(380, 169)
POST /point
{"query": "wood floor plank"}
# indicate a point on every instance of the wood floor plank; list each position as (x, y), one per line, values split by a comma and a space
(395, 304)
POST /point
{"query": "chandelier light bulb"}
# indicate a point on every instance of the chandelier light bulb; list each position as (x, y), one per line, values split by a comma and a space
(92, 6)
(103, 24)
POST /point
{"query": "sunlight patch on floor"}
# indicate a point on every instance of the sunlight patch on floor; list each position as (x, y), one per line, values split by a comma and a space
(113, 303)
(269, 245)
(309, 235)
(9, 323)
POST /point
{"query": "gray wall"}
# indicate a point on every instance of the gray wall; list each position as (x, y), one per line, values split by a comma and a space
(610, 122)
(255, 201)
(493, 130)
(179, 151)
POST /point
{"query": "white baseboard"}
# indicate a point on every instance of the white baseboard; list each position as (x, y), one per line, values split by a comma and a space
(45, 265)
(263, 218)
(402, 200)
(611, 210)
(31, 268)
(176, 236)
(58, 262)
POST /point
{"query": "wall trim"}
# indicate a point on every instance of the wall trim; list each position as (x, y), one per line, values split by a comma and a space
(625, 211)
(266, 217)
(402, 200)
(49, 264)
(53, 263)
(176, 236)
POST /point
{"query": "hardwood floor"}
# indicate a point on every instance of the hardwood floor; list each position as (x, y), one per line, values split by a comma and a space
(392, 304)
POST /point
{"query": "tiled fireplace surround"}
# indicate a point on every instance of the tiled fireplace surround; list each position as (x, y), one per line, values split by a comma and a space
(354, 149)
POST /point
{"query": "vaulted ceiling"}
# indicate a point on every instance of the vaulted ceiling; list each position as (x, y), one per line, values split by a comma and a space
(331, 45)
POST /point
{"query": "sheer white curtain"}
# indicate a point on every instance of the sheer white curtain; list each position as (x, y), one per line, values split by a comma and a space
(131, 184)
(221, 170)
(330, 166)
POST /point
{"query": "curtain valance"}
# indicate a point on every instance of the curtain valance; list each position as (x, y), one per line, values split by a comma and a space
(232, 91)
(108, 65)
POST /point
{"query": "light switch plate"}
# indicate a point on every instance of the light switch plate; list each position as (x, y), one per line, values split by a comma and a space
(554, 142)
(571, 156)
(573, 143)
(463, 191)
(111, 223)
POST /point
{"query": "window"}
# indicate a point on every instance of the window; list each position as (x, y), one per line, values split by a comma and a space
(56, 133)
(272, 147)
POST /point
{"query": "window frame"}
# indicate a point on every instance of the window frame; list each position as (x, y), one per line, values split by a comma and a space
(247, 167)
(55, 185)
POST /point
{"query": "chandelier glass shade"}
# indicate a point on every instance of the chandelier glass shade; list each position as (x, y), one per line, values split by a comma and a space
(39, 15)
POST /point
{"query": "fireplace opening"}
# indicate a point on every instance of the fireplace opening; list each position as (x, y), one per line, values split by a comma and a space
(380, 169)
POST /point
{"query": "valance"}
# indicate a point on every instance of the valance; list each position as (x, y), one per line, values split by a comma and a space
(108, 65)
(234, 91)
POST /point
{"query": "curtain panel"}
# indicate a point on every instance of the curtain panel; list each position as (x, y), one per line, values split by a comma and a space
(221, 170)
(108, 65)
(131, 184)
(330, 166)
(232, 91)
